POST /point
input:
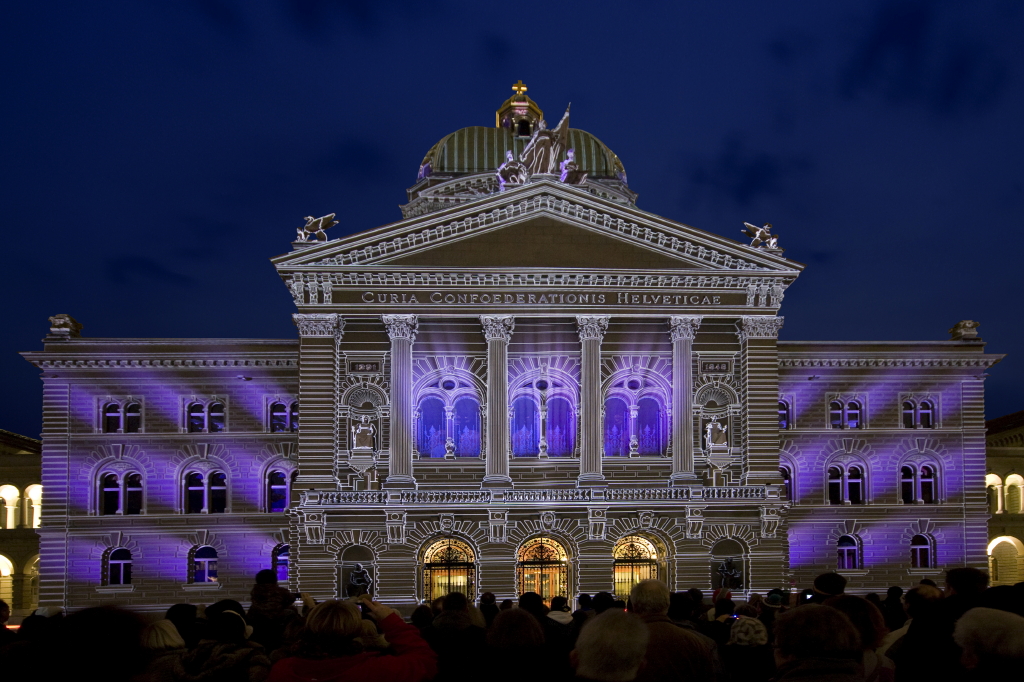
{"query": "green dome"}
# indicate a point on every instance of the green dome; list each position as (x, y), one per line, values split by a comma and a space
(479, 149)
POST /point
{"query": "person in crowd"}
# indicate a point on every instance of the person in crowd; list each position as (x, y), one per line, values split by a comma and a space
(436, 606)
(892, 608)
(6, 635)
(700, 607)
(457, 641)
(747, 656)
(225, 654)
(927, 581)
(556, 635)
(870, 625)
(611, 648)
(964, 589)
(506, 604)
(29, 652)
(827, 585)
(272, 609)
(816, 643)
(1005, 598)
(680, 608)
(328, 649)
(516, 641)
(717, 628)
(370, 638)
(772, 605)
(489, 607)
(747, 610)
(165, 648)
(422, 618)
(560, 611)
(992, 641)
(673, 652)
(102, 638)
(580, 616)
(916, 600)
(185, 618)
(619, 604)
(602, 602)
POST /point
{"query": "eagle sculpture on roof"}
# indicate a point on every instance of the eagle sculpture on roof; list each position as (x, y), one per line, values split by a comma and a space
(315, 227)
(761, 237)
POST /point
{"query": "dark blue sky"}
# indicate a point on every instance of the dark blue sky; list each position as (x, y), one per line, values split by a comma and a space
(156, 154)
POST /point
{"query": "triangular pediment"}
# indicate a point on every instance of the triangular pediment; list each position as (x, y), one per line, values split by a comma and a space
(544, 224)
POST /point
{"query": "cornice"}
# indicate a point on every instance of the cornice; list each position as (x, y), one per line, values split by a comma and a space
(981, 362)
(149, 363)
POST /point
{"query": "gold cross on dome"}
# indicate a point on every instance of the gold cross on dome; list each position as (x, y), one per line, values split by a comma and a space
(519, 88)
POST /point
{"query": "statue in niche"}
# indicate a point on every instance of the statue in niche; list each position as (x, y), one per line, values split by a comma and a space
(512, 172)
(714, 434)
(761, 237)
(359, 581)
(571, 174)
(362, 435)
(730, 575)
(545, 148)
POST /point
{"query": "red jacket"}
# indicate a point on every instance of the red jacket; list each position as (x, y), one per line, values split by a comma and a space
(412, 661)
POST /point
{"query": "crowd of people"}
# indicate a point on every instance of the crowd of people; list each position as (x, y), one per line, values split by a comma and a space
(964, 631)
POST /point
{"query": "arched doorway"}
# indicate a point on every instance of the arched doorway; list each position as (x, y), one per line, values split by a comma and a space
(729, 565)
(1006, 560)
(543, 568)
(448, 566)
(357, 561)
(636, 559)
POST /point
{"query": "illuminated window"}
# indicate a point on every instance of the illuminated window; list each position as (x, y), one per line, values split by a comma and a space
(787, 481)
(855, 485)
(525, 429)
(849, 553)
(431, 428)
(921, 552)
(846, 484)
(636, 559)
(132, 417)
(925, 414)
(846, 415)
(835, 485)
(111, 418)
(835, 415)
(853, 415)
(909, 416)
(918, 415)
(205, 494)
(616, 427)
(279, 490)
(466, 426)
(784, 419)
(119, 567)
(205, 418)
(196, 418)
(215, 420)
(121, 494)
(448, 566)
(543, 568)
(118, 418)
(279, 561)
(284, 417)
(650, 429)
(111, 492)
(203, 565)
(918, 484)
(133, 494)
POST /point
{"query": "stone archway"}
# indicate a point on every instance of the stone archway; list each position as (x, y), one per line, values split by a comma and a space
(730, 565)
(1006, 560)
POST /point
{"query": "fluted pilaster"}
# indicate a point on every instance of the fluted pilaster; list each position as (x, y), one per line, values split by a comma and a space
(760, 376)
(682, 330)
(591, 330)
(319, 336)
(402, 331)
(498, 332)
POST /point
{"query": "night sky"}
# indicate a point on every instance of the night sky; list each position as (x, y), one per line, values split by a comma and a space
(157, 154)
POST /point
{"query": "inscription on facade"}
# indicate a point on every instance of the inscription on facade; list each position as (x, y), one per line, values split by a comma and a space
(363, 367)
(716, 366)
(544, 298)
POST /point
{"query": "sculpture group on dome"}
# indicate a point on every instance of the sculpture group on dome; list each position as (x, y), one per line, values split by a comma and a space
(543, 152)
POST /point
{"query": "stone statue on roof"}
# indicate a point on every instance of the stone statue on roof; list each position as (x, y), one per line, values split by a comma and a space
(315, 227)
(545, 149)
(571, 173)
(512, 172)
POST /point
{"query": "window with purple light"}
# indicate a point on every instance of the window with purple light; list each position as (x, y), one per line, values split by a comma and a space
(650, 431)
(853, 415)
(293, 414)
(855, 485)
(835, 485)
(835, 415)
(431, 432)
(525, 429)
(133, 494)
(111, 418)
(195, 493)
(196, 418)
(921, 552)
(908, 485)
(277, 491)
(784, 419)
(616, 427)
(132, 417)
(118, 567)
(279, 560)
(561, 427)
(787, 480)
(925, 414)
(909, 416)
(215, 420)
(110, 489)
(467, 427)
(218, 493)
(849, 553)
(203, 565)
(279, 418)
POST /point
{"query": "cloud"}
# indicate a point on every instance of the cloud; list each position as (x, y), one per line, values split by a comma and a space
(909, 55)
(743, 175)
(134, 269)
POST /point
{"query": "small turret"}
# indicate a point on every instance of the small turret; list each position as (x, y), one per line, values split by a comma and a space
(519, 113)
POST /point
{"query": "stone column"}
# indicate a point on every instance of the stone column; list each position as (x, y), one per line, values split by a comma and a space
(760, 377)
(498, 332)
(402, 330)
(591, 330)
(319, 335)
(1000, 499)
(682, 330)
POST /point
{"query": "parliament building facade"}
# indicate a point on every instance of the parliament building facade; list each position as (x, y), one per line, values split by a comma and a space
(526, 384)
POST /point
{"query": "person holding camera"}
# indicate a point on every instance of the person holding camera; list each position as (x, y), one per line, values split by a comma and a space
(272, 610)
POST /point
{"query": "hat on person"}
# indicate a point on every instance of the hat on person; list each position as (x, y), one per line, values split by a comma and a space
(162, 635)
(230, 626)
(774, 599)
(747, 631)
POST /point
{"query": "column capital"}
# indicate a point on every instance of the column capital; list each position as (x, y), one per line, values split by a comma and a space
(319, 324)
(401, 326)
(683, 328)
(759, 327)
(591, 327)
(498, 327)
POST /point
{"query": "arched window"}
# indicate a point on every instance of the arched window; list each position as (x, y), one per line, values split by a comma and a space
(523, 128)
(448, 566)
(918, 415)
(909, 418)
(543, 568)
(121, 494)
(525, 429)
(846, 484)
(132, 417)
(616, 427)
(636, 559)
(787, 481)
(845, 415)
(279, 490)
(205, 418)
(649, 427)
(119, 567)
(925, 415)
(279, 418)
(34, 498)
(10, 496)
(561, 427)
(849, 553)
(467, 427)
(926, 484)
(279, 562)
(6, 579)
(918, 484)
(784, 418)
(118, 418)
(908, 485)
(206, 494)
(921, 552)
(111, 418)
(1013, 497)
(203, 565)
(431, 436)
